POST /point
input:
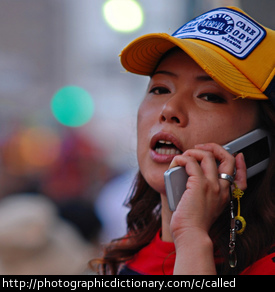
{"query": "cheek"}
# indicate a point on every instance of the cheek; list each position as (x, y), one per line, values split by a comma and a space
(218, 128)
(147, 117)
(246, 117)
(230, 124)
(143, 129)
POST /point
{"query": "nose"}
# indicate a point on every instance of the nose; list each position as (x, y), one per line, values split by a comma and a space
(174, 112)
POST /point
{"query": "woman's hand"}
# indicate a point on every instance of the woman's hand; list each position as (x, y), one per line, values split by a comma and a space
(204, 199)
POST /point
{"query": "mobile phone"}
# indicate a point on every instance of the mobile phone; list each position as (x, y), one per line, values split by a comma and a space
(255, 146)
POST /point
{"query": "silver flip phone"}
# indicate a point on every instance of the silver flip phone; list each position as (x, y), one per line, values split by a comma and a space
(255, 146)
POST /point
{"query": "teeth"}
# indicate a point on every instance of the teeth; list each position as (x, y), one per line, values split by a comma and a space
(166, 150)
(171, 151)
(165, 142)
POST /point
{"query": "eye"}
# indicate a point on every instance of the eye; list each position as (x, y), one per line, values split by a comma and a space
(210, 97)
(159, 90)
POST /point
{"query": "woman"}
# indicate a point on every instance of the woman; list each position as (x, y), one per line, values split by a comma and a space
(211, 82)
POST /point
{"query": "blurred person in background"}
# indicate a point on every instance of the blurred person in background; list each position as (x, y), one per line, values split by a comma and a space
(34, 240)
(110, 206)
(48, 219)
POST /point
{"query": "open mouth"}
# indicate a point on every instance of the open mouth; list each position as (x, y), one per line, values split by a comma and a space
(165, 147)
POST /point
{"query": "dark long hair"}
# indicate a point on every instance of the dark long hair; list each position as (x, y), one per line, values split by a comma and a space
(258, 208)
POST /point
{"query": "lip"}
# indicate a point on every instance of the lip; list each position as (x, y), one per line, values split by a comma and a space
(163, 158)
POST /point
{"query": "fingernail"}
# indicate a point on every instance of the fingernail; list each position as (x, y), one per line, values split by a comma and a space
(199, 145)
(242, 156)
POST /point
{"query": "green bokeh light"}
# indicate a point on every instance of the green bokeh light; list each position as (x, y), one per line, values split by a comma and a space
(123, 15)
(72, 106)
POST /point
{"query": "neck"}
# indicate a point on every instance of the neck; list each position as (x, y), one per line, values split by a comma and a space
(166, 215)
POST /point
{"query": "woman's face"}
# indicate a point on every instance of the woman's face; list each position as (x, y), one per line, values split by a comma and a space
(183, 107)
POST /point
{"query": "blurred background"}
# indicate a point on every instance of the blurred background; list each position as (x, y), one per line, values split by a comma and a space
(68, 122)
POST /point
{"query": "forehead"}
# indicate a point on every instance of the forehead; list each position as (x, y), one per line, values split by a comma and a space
(177, 60)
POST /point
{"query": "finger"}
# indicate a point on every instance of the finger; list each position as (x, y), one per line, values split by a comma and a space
(205, 172)
(190, 163)
(241, 177)
(226, 160)
(207, 162)
(196, 176)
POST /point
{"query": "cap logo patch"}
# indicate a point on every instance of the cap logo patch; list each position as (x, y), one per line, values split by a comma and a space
(226, 28)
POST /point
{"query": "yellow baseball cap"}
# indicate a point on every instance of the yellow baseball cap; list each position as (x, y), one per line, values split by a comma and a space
(231, 47)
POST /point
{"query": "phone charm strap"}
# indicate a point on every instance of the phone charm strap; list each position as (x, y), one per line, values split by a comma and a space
(237, 225)
(240, 222)
(232, 241)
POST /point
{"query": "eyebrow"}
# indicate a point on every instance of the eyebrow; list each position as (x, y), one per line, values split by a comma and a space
(165, 73)
(199, 78)
(204, 78)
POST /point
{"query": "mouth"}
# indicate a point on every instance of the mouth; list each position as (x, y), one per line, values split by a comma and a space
(166, 147)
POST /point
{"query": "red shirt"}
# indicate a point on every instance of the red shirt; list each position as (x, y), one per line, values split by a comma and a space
(158, 258)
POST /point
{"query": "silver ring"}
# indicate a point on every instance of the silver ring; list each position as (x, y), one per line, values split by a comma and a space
(226, 177)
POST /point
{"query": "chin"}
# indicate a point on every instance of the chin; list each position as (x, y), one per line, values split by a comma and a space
(156, 180)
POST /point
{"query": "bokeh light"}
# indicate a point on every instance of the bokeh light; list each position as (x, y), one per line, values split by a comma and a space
(72, 106)
(31, 149)
(39, 146)
(123, 15)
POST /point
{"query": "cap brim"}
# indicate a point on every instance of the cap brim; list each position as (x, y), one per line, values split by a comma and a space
(142, 56)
